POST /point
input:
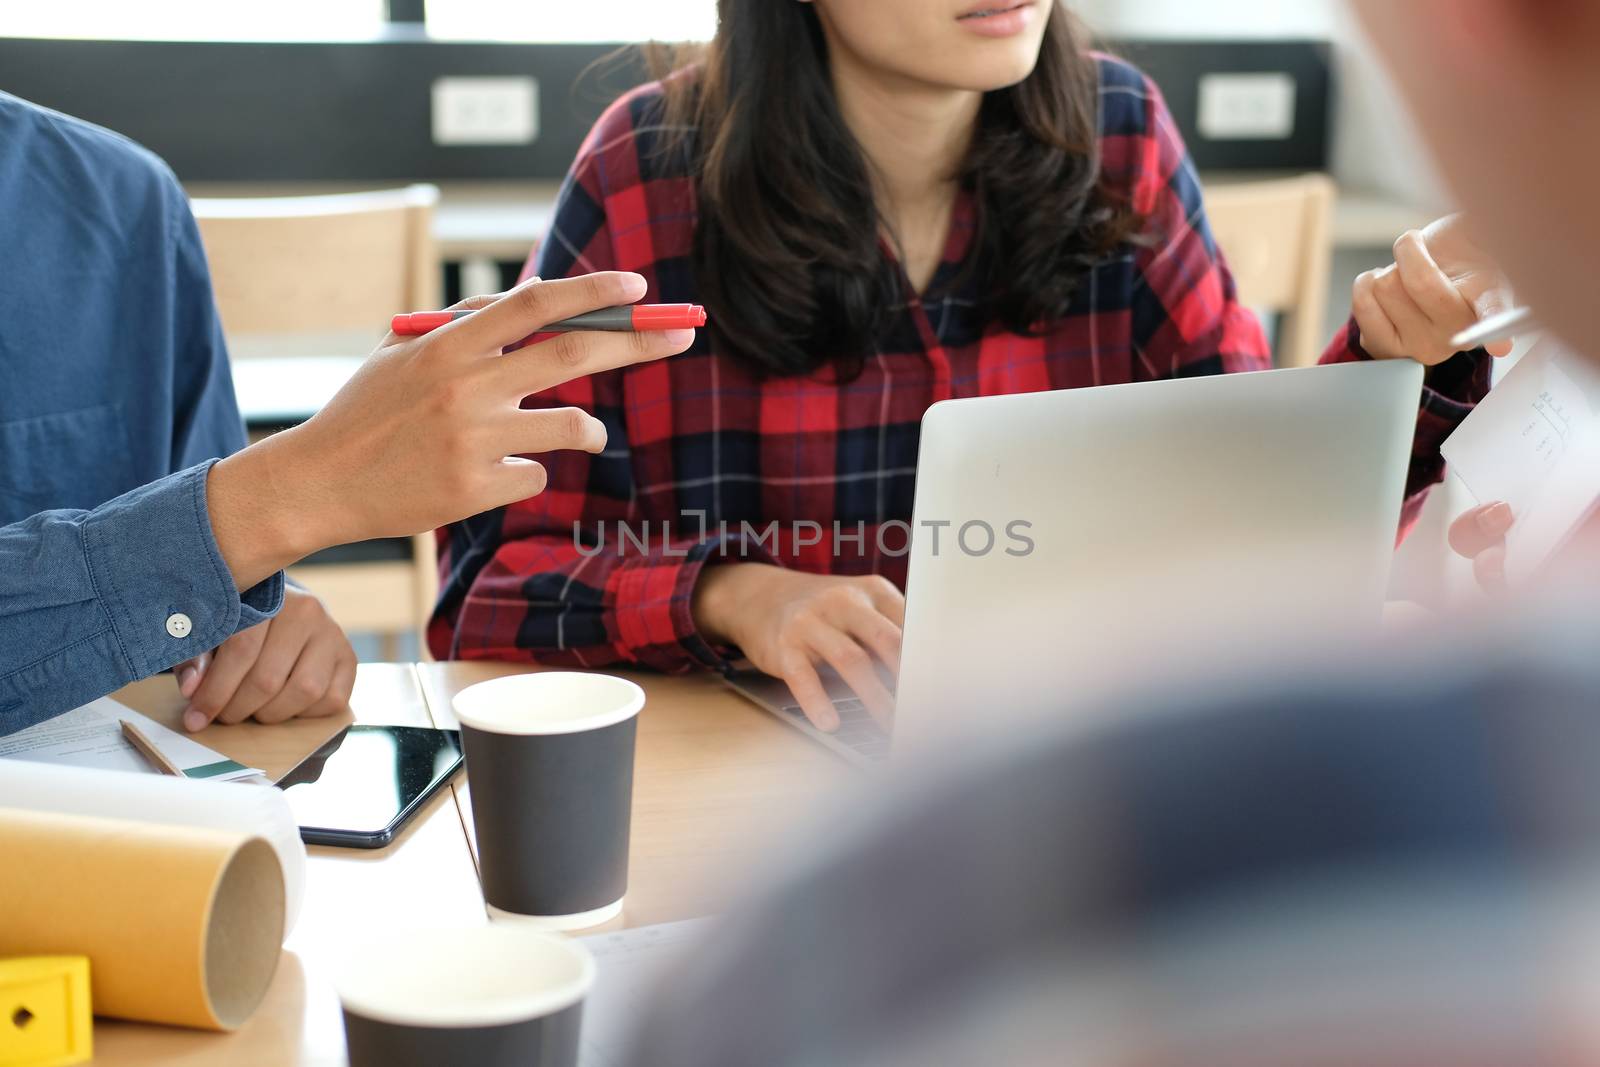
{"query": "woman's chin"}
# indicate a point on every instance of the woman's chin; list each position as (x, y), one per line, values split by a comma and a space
(993, 72)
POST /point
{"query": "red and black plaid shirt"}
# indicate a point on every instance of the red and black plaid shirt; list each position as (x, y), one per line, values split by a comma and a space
(701, 447)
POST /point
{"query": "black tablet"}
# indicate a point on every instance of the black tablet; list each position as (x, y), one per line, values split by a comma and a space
(361, 787)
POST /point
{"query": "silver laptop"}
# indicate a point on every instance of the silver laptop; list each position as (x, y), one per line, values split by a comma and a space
(1088, 537)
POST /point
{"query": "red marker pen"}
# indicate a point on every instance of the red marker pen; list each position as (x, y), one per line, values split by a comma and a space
(628, 319)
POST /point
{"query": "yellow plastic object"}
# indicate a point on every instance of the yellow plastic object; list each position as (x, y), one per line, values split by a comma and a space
(45, 1016)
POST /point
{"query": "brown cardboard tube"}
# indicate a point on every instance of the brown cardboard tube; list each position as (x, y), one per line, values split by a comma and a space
(181, 925)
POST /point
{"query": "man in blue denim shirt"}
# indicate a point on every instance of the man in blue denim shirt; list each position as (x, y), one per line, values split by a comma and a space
(116, 376)
(113, 375)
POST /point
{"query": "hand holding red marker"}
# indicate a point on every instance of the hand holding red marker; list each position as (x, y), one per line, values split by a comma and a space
(625, 319)
(439, 416)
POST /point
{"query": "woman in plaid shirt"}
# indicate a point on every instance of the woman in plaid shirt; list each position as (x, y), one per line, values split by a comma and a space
(882, 206)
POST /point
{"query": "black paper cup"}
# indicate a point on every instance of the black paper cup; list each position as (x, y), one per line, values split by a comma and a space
(491, 996)
(550, 762)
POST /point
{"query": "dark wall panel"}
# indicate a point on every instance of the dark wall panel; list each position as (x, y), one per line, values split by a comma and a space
(245, 111)
(308, 111)
(1178, 66)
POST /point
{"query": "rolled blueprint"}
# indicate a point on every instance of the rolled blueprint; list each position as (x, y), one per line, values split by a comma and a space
(258, 810)
(181, 925)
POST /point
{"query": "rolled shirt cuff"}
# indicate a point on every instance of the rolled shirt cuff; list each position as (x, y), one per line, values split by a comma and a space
(161, 578)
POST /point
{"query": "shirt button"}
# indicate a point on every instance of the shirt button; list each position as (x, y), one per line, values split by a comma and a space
(178, 624)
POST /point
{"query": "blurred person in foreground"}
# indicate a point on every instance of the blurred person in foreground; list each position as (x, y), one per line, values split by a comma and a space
(1392, 865)
(1326, 869)
(1518, 138)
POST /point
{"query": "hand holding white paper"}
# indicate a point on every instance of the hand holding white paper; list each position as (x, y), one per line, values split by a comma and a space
(1534, 443)
(261, 811)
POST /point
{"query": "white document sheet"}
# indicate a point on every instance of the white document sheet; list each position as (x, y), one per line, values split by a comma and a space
(91, 736)
(629, 965)
(1534, 442)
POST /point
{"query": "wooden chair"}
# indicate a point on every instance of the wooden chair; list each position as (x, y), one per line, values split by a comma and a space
(1277, 237)
(316, 278)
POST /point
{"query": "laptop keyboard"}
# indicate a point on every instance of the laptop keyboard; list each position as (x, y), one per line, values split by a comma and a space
(858, 730)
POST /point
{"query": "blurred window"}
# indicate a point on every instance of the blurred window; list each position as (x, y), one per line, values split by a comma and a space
(593, 20)
(335, 20)
(194, 20)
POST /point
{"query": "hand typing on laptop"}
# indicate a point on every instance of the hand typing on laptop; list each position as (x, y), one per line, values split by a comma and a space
(787, 623)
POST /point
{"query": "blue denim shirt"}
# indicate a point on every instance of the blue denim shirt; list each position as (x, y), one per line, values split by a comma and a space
(113, 376)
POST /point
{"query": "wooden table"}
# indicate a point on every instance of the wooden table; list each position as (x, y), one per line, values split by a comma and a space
(715, 781)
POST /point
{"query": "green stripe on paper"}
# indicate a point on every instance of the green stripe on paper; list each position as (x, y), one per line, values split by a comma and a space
(211, 770)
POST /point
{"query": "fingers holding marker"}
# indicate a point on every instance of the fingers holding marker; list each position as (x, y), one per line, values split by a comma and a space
(516, 478)
(596, 329)
(472, 303)
(548, 317)
(576, 355)
(432, 413)
(534, 305)
(555, 429)
(477, 303)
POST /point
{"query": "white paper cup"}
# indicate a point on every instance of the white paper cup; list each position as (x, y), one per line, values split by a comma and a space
(491, 996)
(550, 761)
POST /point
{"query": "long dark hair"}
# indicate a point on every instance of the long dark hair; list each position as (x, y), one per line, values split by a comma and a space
(786, 251)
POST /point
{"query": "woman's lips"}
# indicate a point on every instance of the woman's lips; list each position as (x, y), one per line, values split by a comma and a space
(998, 19)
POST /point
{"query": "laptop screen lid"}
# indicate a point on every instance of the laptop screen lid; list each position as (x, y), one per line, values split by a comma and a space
(1067, 542)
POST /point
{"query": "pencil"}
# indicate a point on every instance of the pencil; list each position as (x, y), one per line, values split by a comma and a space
(148, 750)
(1501, 327)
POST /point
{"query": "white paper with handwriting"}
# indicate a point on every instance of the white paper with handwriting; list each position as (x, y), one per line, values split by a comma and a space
(1534, 442)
